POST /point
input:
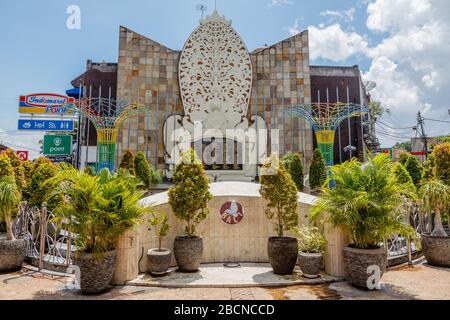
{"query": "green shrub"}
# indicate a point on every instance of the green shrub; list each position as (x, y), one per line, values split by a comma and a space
(295, 169)
(442, 162)
(37, 189)
(145, 172)
(317, 171)
(159, 221)
(287, 159)
(98, 209)
(366, 201)
(127, 162)
(428, 168)
(404, 156)
(190, 196)
(280, 191)
(435, 196)
(9, 195)
(19, 171)
(414, 169)
(88, 170)
(310, 240)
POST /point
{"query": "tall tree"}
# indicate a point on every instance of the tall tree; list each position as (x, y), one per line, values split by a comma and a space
(317, 171)
(280, 191)
(414, 169)
(442, 162)
(127, 162)
(295, 169)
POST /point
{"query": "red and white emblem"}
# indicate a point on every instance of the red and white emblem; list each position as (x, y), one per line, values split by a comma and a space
(22, 154)
(232, 212)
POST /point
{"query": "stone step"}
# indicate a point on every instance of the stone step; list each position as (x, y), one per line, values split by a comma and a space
(62, 247)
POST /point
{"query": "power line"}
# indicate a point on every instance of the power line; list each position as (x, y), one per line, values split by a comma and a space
(435, 120)
(393, 128)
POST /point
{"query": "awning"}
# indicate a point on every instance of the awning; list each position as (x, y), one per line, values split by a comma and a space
(74, 92)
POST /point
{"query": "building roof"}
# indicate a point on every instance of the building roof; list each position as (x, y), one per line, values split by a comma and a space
(335, 71)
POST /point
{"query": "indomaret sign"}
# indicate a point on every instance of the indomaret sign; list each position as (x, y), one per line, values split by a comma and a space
(47, 103)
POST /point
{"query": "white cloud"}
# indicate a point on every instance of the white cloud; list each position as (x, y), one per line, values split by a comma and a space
(279, 2)
(346, 15)
(331, 42)
(410, 63)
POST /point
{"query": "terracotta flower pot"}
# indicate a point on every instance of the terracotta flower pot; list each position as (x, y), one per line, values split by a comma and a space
(188, 253)
(159, 260)
(311, 264)
(358, 261)
(12, 254)
(96, 274)
(436, 250)
(282, 253)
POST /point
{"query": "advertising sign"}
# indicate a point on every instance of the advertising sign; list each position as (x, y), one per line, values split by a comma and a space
(45, 125)
(57, 145)
(22, 154)
(47, 103)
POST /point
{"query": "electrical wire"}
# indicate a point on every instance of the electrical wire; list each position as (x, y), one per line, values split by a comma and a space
(435, 120)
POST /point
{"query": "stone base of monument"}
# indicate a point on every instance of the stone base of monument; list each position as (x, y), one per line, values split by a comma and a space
(217, 276)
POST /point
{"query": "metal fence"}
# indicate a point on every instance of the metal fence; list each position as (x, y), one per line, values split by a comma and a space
(49, 246)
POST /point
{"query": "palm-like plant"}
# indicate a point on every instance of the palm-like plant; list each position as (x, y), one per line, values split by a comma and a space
(366, 201)
(97, 208)
(435, 196)
(9, 200)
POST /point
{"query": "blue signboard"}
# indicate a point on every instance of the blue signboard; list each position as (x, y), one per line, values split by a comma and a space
(46, 125)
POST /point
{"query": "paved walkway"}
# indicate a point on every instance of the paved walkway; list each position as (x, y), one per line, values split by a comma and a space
(419, 282)
(216, 275)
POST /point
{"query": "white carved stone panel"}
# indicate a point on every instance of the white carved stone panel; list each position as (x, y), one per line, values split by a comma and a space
(215, 75)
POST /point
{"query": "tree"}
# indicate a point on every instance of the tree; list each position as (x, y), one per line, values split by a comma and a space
(89, 171)
(404, 156)
(280, 191)
(37, 189)
(317, 171)
(98, 209)
(287, 159)
(162, 227)
(145, 172)
(127, 162)
(414, 169)
(366, 201)
(401, 175)
(190, 196)
(295, 169)
(428, 168)
(9, 195)
(435, 196)
(442, 162)
(19, 171)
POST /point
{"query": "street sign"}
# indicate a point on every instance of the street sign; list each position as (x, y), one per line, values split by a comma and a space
(22, 154)
(48, 103)
(57, 145)
(45, 125)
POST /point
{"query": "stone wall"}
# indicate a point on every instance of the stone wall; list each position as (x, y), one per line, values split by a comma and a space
(148, 73)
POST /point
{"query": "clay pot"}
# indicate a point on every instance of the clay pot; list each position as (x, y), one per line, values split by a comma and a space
(358, 261)
(12, 254)
(188, 253)
(436, 250)
(311, 264)
(95, 273)
(159, 260)
(282, 253)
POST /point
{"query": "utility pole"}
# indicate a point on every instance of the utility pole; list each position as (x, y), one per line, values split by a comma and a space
(422, 133)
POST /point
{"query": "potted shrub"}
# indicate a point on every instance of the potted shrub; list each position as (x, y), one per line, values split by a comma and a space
(281, 194)
(12, 250)
(159, 258)
(189, 201)
(366, 202)
(311, 246)
(98, 210)
(435, 196)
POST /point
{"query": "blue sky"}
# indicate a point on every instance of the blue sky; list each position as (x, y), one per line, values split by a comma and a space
(40, 54)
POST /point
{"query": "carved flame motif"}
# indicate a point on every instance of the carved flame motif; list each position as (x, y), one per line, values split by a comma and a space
(215, 75)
